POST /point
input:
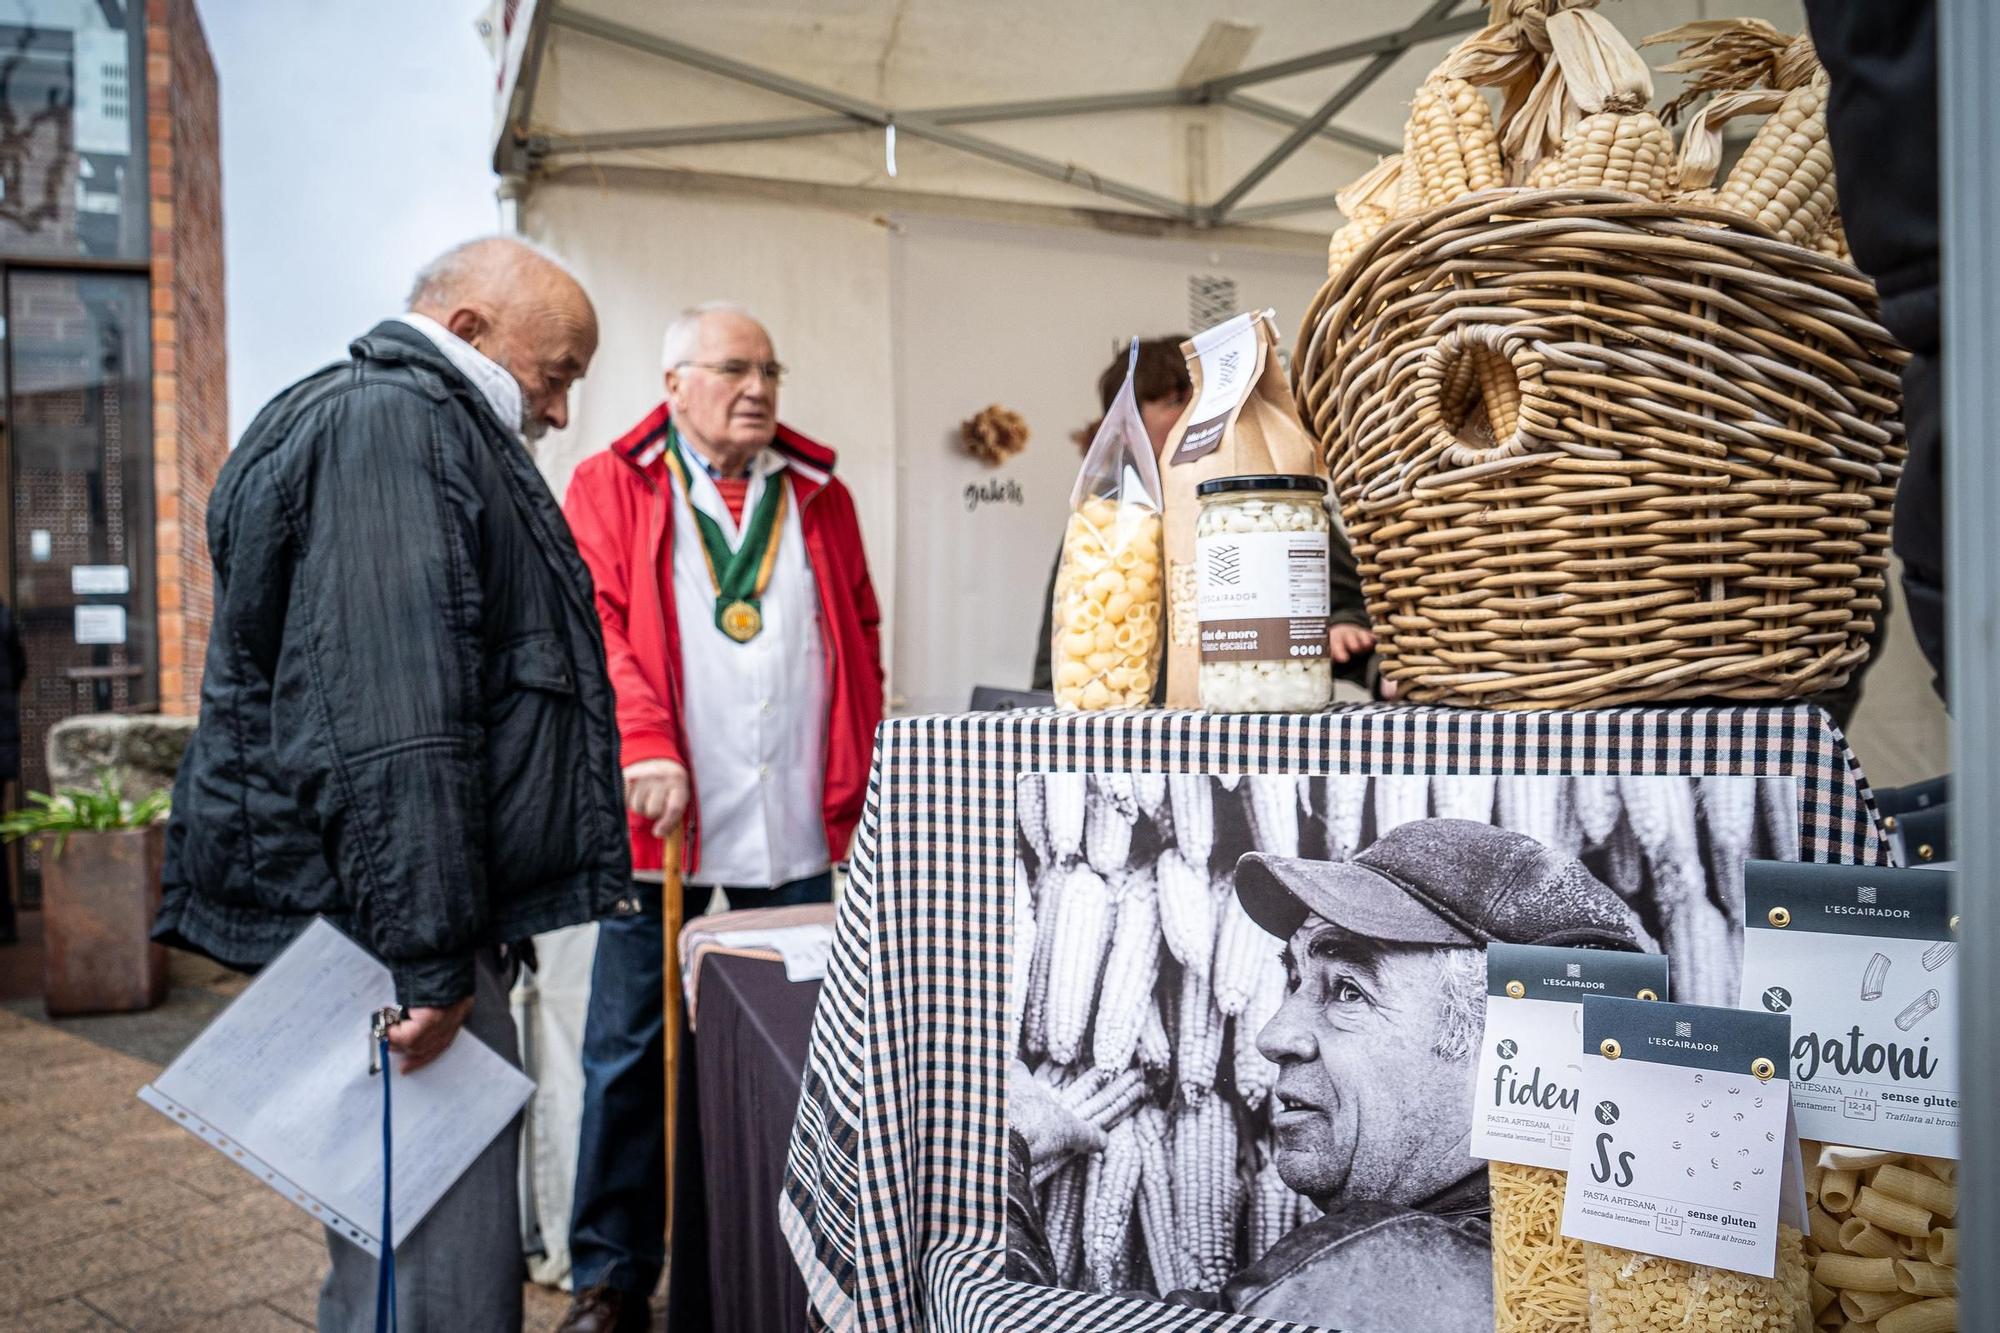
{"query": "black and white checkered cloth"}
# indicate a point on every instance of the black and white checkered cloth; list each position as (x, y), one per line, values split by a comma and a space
(896, 1189)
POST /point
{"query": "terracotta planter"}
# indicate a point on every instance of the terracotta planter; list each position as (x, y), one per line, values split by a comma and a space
(99, 898)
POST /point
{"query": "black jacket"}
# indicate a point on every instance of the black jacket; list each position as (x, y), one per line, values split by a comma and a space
(406, 724)
(1882, 121)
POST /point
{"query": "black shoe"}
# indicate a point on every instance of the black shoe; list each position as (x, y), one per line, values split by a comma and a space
(606, 1310)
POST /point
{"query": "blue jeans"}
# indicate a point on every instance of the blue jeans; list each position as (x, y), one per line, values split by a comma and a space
(618, 1219)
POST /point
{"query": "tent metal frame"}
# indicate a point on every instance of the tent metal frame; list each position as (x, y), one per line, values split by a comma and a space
(521, 151)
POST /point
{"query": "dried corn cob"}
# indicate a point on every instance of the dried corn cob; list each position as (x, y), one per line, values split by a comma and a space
(1347, 242)
(1546, 174)
(1112, 1189)
(1082, 925)
(1274, 814)
(1063, 794)
(1035, 1008)
(1347, 810)
(1194, 817)
(1104, 1100)
(1254, 1074)
(1031, 815)
(1150, 790)
(1785, 177)
(1450, 145)
(1107, 839)
(1200, 1046)
(1128, 978)
(1021, 958)
(1367, 203)
(1156, 1200)
(1207, 1190)
(1187, 911)
(1468, 797)
(1271, 1209)
(1619, 144)
(1156, 1053)
(1399, 798)
(1062, 1219)
(1244, 953)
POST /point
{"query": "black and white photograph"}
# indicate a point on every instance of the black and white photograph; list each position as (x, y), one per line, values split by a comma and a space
(1245, 1012)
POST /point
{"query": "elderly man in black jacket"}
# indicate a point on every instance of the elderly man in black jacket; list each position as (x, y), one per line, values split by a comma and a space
(406, 725)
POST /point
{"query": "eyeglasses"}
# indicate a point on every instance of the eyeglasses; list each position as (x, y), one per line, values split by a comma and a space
(734, 369)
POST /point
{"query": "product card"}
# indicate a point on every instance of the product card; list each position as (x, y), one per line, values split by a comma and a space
(1524, 1100)
(1681, 1145)
(1865, 962)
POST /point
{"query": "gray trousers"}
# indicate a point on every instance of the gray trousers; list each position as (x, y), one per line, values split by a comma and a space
(461, 1269)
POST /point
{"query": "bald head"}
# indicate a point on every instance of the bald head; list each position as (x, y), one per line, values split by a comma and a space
(520, 307)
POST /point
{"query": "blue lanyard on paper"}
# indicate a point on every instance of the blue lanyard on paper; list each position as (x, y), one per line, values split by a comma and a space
(385, 1273)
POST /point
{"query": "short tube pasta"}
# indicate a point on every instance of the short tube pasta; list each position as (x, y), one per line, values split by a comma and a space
(1891, 1215)
(1852, 1272)
(1865, 1307)
(1942, 1247)
(1926, 1279)
(1938, 1316)
(1863, 1238)
(1837, 1188)
(1917, 1187)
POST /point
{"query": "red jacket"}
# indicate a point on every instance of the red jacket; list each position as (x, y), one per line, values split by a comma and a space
(620, 508)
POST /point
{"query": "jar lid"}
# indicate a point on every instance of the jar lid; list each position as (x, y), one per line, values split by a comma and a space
(1268, 482)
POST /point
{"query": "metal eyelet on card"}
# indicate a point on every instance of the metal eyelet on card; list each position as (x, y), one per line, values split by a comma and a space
(1610, 1048)
(1780, 917)
(1954, 923)
(1515, 990)
(1649, 994)
(1763, 1069)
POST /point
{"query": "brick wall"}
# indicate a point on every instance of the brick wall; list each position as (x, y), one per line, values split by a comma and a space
(190, 403)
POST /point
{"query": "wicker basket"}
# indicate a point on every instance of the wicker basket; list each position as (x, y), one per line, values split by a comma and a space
(1690, 498)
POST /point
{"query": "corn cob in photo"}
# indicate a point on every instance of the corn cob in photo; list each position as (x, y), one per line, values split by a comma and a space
(1111, 1191)
(1064, 799)
(1156, 1201)
(1062, 1219)
(1777, 819)
(1727, 809)
(1208, 1190)
(1186, 910)
(1150, 790)
(1035, 1005)
(1082, 931)
(1244, 953)
(1399, 798)
(1129, 975)
(1594, 800)
(1108, 825)
(1695, 931)
(1254, 1074)
(1105, 1100)
(1531, 804)
(1020, 958)
(1347, 811)
(1467, 797)
(1031, 816)
(1274, 814)
(1156, 1051)
(1194, 817)
(1199, 1048)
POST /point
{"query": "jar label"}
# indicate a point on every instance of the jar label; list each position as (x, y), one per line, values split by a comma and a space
(1263, 596)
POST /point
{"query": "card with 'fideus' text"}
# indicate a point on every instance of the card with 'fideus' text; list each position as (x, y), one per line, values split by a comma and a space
(1524, 1100)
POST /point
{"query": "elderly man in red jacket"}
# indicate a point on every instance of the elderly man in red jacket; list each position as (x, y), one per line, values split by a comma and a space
(743, 642)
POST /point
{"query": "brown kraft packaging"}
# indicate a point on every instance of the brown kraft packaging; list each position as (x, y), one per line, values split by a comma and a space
(1240, 421)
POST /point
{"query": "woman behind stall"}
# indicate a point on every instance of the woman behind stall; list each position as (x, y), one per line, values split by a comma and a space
(1163, 387)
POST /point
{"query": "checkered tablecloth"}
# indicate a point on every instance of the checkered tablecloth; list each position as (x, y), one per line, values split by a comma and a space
(895, 1193)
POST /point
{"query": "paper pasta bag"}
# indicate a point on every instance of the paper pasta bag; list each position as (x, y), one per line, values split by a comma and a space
(1241, 420)
(1108, 601)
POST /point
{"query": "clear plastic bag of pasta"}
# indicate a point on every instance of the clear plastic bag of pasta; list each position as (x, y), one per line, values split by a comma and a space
(1107, 614)
(1630, 1292)
(1538, 1273)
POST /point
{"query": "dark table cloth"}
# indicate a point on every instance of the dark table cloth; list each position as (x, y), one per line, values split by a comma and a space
(731, 1270)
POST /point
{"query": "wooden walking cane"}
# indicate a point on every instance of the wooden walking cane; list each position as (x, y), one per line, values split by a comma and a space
(670, 1002)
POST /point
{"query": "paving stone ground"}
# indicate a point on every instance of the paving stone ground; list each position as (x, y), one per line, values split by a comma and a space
(112, 1218)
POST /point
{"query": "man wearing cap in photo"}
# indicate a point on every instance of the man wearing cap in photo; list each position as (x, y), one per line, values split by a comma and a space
(1371, 1112)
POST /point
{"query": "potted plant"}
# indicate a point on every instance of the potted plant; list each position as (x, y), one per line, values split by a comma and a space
(100, 893)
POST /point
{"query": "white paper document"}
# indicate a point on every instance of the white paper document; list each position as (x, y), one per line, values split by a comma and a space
(805, 949)
(279, 1083)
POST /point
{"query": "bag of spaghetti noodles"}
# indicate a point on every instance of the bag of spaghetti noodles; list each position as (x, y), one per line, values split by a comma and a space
(1107, 614)
(1524, 1115)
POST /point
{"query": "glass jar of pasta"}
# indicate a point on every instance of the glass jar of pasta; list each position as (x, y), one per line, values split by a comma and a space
(1261, 568)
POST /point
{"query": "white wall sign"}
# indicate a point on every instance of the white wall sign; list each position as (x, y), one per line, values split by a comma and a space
(100, 580)
(100, 624)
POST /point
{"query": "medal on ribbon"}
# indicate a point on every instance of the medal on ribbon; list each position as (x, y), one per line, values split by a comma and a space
(741, 575)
